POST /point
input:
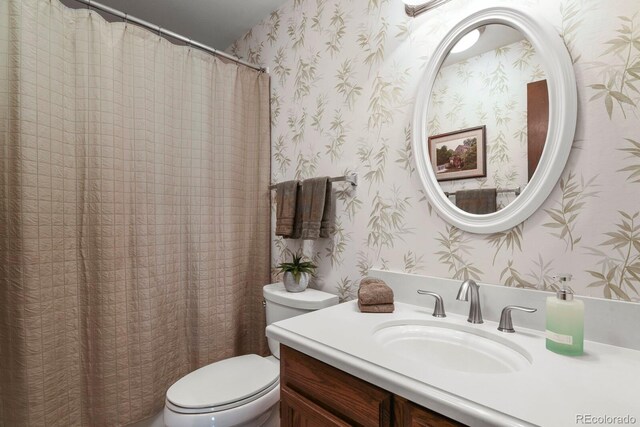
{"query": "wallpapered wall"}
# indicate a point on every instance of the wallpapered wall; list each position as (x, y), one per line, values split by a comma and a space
(489, 89)
(344, 80)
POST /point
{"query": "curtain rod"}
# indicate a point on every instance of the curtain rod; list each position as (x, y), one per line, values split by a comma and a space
(157, 28)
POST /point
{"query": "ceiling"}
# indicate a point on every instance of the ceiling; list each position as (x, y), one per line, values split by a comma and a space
(217, 23)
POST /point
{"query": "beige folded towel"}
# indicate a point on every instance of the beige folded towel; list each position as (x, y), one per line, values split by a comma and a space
(286, 195)
(328, 224)
(376, 308)
(480, 201)
(313, 198)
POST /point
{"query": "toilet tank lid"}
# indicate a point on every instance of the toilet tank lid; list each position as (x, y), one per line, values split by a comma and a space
(309, 299)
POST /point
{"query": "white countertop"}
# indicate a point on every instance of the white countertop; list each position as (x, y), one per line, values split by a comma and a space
(552, 391)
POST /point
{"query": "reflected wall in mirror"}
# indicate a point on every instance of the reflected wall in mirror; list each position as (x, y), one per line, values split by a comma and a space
(497, 83)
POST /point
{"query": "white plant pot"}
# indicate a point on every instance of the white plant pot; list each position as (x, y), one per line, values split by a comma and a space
(291, 285)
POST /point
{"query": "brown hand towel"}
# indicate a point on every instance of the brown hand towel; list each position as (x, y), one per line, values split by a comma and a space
(286, 195)
(376, 308)
(481, 201)
(297, 223)
(313, 197)
(374, 292)
(369, 279)
(328, 226)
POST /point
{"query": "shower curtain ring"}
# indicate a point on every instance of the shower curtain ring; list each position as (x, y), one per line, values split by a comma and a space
(126, 22)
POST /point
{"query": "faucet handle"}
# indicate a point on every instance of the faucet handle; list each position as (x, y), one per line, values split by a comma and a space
(438, 310)
(506, 324)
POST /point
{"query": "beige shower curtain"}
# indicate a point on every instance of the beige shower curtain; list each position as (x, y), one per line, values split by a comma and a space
(134, 215)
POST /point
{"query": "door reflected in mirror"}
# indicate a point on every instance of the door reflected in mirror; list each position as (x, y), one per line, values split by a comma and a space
(487, 119)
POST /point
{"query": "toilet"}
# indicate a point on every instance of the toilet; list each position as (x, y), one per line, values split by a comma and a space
(244, 390)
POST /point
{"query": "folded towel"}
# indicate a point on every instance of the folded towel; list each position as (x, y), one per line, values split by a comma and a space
(313, 198)
(376, 308)
(481, 201)
(369, 279)
(374, 291)
(286, 195)
(328, 224)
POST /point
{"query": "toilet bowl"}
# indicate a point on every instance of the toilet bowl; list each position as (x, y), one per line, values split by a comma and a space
(244, 390)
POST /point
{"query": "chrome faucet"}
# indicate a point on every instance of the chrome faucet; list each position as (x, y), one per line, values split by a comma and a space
(475, 314)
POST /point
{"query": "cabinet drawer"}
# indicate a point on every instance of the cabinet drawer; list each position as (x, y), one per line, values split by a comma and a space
(349, 398)
(296, 411)
(408, 414)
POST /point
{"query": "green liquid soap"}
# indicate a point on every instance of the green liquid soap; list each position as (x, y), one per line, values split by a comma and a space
(565, 322)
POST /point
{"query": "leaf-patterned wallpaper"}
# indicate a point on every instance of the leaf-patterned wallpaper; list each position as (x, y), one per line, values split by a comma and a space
(344, 80)
(489, 89)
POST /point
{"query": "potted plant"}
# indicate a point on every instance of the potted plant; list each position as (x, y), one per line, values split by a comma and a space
(297, 273)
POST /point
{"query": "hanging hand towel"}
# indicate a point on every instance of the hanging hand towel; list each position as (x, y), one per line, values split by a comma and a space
(328, 227)
(297, 223)
(313, 198)
(286, 195)
(481, 201)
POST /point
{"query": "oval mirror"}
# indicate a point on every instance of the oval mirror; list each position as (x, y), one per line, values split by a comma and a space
(495, 118)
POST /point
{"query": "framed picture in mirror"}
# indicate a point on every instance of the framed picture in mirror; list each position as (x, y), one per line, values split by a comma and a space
(460, 154)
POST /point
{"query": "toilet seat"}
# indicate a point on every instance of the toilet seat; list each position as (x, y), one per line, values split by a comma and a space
(223, 385)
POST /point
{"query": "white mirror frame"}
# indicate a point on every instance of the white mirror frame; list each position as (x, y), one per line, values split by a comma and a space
(563, 111)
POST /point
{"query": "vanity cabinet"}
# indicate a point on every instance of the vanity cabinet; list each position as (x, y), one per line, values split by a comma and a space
(313, 393)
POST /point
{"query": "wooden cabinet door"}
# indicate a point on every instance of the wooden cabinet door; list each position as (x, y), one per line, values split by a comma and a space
(349, 398)
(296, 411)
(408, 414)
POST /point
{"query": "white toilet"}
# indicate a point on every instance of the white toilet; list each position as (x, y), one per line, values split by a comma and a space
(244, 390)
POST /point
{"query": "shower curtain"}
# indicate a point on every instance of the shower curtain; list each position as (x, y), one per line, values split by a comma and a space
(134, 215)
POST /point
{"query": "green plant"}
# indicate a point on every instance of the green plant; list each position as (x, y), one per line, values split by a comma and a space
(297, 266)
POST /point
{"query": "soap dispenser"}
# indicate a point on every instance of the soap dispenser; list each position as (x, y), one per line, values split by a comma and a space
(565, 320)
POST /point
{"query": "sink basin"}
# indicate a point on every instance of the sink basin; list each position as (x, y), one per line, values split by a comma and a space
(452, 346)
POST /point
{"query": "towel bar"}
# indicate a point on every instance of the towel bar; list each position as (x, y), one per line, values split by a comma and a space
(351, 178)
(504, 190)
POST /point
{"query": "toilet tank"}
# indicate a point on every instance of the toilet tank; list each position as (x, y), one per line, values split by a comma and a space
(281, 305)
